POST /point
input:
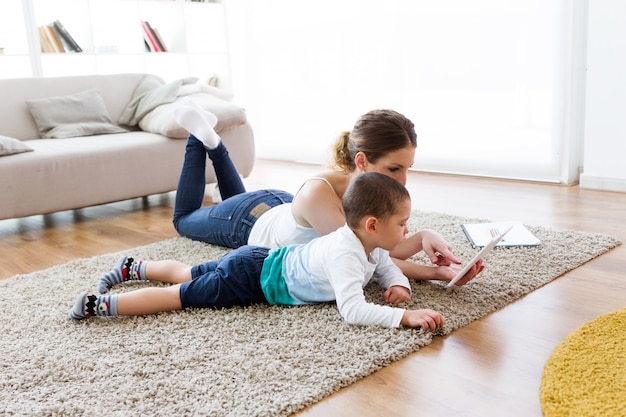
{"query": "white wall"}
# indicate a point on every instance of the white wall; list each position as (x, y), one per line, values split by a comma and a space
(605, 121)
(501, 79)
(483, 81)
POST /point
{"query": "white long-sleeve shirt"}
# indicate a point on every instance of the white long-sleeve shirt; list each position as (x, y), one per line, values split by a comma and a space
(333, 267)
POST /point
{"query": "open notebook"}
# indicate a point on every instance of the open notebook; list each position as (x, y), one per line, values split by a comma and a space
(480, 234)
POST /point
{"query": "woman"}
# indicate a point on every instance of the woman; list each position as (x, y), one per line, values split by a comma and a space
(381, 141)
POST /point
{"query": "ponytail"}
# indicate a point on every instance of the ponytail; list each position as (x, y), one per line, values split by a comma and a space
(376, 133)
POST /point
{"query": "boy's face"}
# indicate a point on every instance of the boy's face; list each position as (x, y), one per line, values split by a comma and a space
(391, 231)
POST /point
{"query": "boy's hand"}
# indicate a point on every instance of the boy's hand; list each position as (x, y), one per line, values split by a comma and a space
(397, 294)
(426, 319)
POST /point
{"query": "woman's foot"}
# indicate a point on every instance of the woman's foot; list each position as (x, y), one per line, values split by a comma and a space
(198, 122)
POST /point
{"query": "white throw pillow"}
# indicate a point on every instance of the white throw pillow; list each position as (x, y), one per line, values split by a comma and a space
(10, 146)
(80, 114)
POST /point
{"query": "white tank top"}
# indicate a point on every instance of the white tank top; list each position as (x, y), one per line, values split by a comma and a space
(277, 227)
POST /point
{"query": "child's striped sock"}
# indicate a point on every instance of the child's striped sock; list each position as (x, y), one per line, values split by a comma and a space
(89, 305)
(126, 269)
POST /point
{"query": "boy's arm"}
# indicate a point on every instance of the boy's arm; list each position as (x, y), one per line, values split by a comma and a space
(347, 278)
(348, 285)
(397, 295)
(425, 318)
(388, 274)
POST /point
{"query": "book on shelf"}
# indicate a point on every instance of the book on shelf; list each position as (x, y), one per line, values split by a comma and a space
(44, 40)
(151, 39)
(66, 38)
(159, 39)
(54, 38)
(480, 234)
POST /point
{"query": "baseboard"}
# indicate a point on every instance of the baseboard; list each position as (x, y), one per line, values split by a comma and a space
(602, 183)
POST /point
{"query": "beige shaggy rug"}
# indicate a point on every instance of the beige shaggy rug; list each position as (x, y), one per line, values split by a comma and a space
(256, 361)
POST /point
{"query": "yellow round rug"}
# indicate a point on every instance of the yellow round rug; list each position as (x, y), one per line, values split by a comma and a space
(586, 374)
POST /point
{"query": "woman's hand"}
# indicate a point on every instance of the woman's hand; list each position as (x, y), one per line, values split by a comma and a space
(447, 273)
(432, 243)
(437, 248)
(420, 272)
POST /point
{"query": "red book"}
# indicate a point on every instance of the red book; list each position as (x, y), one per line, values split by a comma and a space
(151, 39)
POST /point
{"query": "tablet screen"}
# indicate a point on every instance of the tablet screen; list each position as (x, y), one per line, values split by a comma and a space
(480, 255)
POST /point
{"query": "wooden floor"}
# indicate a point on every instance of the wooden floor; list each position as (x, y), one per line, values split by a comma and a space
(491, 367)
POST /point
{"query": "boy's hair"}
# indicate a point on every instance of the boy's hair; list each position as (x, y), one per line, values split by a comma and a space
(372, 194)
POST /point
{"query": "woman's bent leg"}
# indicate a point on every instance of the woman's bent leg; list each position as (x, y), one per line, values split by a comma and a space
(192, 180)
(228, 179)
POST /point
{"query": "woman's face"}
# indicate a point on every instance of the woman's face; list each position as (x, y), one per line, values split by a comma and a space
(395, 164)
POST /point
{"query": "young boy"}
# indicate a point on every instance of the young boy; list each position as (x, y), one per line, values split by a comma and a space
(332, 267)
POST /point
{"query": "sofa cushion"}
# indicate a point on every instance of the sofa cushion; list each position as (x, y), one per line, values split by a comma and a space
(161, 119)
(10, 146)
(80, 114)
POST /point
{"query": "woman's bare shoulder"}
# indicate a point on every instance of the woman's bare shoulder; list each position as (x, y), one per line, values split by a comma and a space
(318, 202)
(336, 180)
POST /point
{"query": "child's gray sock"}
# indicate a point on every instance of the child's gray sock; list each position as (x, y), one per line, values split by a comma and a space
(198, 122)
(89, 305)
(125, 269)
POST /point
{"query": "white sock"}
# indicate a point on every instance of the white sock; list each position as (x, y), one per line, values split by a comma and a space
(198, 122)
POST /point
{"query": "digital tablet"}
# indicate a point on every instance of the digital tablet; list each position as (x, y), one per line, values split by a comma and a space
(480, 255)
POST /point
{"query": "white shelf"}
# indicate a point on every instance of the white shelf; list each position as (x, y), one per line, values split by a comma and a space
(111, 36)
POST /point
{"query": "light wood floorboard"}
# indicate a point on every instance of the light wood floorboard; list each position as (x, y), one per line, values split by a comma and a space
(491, 367)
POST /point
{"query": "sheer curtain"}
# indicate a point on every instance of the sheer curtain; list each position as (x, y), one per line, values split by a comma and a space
(486, 82)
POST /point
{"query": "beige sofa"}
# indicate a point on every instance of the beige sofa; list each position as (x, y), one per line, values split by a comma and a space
(91, 168)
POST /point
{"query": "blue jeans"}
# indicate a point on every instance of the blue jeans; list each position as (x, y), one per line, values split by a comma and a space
(229, 222)
(233, 280)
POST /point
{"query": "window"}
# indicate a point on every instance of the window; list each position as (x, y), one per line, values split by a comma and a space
(484, 81)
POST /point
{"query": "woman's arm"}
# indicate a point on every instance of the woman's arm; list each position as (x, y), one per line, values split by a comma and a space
(440, 253)
(432, 243)
(437, 272)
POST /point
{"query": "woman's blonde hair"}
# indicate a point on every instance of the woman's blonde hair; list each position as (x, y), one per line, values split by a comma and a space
(376, 133)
